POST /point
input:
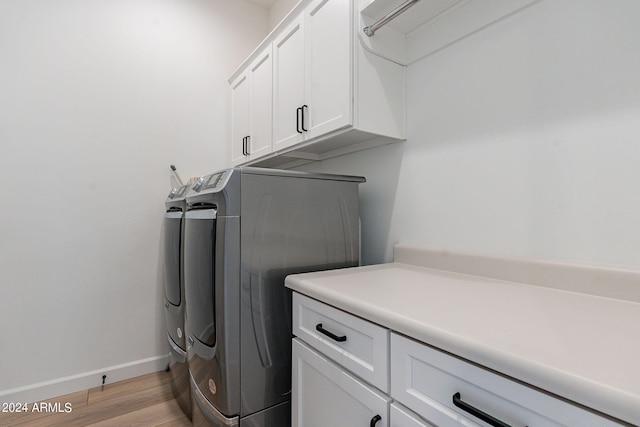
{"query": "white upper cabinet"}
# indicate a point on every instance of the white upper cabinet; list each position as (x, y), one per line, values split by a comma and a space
(328, 66)
(336, 90)
(260, 105)
(330, 96)
(239, 118)
(252, 123)
(288, 84)
(313, 74)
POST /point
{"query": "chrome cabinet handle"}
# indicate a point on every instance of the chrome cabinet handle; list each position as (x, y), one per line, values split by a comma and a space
(333, 336)
(457, 400)
(374, 420)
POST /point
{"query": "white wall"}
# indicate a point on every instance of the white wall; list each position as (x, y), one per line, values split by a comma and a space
(97, 99)
(522, 140)
(278, 10)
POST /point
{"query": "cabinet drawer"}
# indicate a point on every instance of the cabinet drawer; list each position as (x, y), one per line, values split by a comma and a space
(426, 380)
(358, 345)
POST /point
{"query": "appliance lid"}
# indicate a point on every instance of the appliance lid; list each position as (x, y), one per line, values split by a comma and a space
(297, 174)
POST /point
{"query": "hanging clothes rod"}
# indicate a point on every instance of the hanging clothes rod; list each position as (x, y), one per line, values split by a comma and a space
(370, 30)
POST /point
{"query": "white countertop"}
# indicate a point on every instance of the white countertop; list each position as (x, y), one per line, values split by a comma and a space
(582, 347)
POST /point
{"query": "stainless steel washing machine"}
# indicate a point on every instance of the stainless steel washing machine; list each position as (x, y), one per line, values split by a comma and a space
(175, 301)
(245, 230)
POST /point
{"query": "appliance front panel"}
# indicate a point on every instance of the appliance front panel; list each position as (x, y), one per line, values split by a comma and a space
(172, 235)
(180, 377)
(266, 226)
(279, 415)
(199, 257)
(288, 226)
(216, 369)
(174, 317)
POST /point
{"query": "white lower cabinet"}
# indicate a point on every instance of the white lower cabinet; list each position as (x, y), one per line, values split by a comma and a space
(359, 346)
(343, 365)
(451, 392)
(324, 394)
(402, 417)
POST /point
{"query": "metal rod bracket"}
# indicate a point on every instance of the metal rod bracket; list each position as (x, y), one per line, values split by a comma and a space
(370, 30)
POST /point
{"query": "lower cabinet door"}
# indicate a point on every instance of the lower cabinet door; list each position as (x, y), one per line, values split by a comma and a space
(324, 394)
(402, 417)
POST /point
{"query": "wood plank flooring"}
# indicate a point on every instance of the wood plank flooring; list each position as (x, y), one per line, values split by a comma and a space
(143, 401)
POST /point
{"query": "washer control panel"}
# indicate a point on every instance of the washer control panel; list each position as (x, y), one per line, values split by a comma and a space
(178, 192)
(208, 182)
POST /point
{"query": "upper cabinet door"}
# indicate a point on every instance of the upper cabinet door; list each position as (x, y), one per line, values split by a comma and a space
(328, 72)
(239, 117)
(288, 85)
(261, 105)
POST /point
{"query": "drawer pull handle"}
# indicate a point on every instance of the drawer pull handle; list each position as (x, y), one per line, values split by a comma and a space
(457, 400)
(374, 420)
(334, 337)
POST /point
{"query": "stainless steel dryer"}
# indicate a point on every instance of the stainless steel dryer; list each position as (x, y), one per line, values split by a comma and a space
(175, 301)
(245, 230)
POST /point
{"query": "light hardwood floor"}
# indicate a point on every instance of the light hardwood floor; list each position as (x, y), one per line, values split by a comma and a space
(143, 401)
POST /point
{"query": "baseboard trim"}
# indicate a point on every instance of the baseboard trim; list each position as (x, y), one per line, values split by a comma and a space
(83, 381)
